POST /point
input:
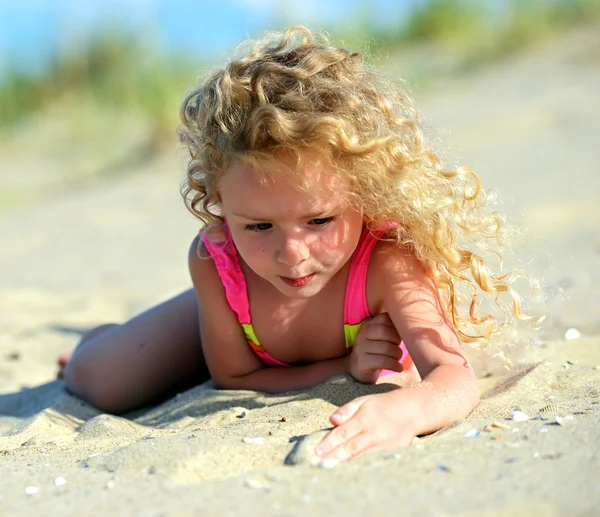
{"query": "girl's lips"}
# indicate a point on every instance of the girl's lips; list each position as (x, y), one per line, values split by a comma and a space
(298, 282)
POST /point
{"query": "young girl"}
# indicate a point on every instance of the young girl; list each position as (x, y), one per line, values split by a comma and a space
(333, 242)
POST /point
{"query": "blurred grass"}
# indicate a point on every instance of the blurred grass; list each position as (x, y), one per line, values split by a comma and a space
(113, 68)
(110, 100)
(459, 36)
(124, 70)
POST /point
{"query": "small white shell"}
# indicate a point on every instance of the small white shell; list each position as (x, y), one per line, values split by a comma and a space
(519, 416)
(255, 440)
(563, 420)
(327, 463)
(60, 481)
(30, 490)
(254, 483)
(572, 333)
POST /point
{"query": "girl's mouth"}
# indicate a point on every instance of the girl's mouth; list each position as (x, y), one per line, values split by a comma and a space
(297, 282)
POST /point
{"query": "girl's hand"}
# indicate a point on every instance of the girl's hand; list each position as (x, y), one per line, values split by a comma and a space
(376, 348)
(369, 424)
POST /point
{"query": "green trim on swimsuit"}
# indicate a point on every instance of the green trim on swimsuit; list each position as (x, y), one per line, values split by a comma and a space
(350, 332)
(250, 334)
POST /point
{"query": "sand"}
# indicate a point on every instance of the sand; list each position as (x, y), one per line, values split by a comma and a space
(103, 253)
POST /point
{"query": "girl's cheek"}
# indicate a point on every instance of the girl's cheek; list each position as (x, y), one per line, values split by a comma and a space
(256, 249)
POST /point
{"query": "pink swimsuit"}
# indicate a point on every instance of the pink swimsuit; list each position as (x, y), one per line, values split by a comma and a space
(356, 311)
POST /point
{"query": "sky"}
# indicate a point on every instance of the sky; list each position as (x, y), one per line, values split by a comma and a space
(30, 30)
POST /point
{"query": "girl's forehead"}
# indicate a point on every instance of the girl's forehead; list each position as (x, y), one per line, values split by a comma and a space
(310, 182)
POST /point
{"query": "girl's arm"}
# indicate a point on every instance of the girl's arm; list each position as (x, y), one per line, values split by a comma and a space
(277, 379)
(231, 362)
(448, 391)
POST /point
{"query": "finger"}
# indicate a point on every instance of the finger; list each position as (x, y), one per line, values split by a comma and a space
(347, 411)
(337, 436)
(349, 448)
(383, 348)
(342, 415)
(382, 332)
(375, 362)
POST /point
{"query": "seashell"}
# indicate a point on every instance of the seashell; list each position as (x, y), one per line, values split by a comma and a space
(549, 408)
(59, 481)
(500, 425)
(258, 440)
(572, 333)
(256, 484)
(519, 416)
(30, 490)
(563, 420)
(327, 463)
(472, 433)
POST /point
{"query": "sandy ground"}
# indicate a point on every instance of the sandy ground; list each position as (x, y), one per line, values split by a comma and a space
(530, 129)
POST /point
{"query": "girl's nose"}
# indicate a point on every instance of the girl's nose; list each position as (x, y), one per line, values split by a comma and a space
(292, 251)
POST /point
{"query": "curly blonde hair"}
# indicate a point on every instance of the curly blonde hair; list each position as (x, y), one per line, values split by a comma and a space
(294, 92)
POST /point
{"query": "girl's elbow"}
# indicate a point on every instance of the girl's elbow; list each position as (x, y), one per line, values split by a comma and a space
(227, 382)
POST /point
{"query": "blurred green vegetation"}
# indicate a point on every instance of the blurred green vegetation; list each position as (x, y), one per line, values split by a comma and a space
(468, 33)
(125, 73)
(115, 69)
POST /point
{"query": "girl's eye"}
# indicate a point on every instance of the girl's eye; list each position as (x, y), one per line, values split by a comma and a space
(321, 221)
(259, 227)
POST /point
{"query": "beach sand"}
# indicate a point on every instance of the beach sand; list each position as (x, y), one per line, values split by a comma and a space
(529, 128)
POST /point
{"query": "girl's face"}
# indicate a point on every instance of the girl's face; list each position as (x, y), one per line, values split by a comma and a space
(296, 240)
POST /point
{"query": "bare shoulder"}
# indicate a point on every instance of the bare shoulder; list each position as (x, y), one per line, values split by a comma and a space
(392, 265)
(207, 282)
(397, 276)
(199, 259)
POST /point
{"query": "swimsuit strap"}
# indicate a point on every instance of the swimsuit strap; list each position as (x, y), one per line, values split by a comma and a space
(356, 308)
(227, 262)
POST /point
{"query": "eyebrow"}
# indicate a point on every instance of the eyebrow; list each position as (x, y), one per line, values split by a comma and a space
(313, 215)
